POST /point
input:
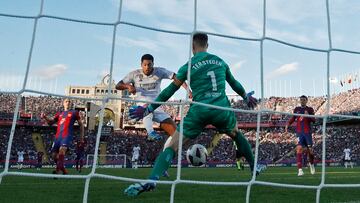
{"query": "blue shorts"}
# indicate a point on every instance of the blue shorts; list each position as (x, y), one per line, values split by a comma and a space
(61, 142)
(305, 139)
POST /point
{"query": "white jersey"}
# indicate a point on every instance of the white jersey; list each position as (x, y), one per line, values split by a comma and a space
(136, 153)
(20, 156)
(147, 87)
(347, 154)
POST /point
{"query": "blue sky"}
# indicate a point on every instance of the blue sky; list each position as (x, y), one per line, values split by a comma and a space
(69, 53)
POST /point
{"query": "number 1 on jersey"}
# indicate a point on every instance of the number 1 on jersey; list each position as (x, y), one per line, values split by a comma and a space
(213, 80)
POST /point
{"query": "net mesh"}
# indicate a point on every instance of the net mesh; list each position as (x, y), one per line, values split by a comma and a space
(178, 180)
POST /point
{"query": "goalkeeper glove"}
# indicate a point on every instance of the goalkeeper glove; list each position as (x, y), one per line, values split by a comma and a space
(139, 112)
(250, 101)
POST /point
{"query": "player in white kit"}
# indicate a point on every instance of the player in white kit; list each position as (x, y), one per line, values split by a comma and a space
(20, 159)
(145, 84)
(347, 158)
(135, 156)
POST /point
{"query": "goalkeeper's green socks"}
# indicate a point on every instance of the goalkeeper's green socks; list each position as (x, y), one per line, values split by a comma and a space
(244, 148)
(238, 164)
(162, 163)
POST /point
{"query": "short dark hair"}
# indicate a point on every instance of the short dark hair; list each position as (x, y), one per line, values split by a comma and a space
(200, 39)
(303, 96)
(147, 57)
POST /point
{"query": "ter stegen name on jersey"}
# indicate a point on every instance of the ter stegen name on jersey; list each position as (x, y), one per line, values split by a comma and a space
(206, 62)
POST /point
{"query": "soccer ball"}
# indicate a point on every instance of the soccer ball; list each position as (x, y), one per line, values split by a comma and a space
(196, 155)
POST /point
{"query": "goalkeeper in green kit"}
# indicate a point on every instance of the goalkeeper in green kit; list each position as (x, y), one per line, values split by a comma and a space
(207, 80)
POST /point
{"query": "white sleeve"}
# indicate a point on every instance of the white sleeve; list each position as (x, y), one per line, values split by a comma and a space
(129, 78)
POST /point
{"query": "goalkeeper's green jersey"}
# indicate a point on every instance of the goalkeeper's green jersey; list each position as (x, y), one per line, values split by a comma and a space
(207, 79)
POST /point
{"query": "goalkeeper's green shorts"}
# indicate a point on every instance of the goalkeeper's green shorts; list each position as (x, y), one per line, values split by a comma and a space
(198, 117)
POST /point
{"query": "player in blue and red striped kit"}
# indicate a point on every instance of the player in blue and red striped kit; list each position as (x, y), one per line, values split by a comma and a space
(65, 122)
(304, 134)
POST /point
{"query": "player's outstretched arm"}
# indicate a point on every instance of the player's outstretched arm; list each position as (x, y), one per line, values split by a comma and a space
(239, 89)
(185, 86)
(126, 86)
(167, 93)
(234, 84)
(140, 112)
(250, 100)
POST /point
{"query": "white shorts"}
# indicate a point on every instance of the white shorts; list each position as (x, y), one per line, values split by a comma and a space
(159, 115)
(20, 160)
(135, 157)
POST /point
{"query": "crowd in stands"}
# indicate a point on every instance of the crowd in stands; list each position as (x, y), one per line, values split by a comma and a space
(34, 105)
(342, 103)
(275, 145)
(22, 141)
(46, 104)
(7, 105)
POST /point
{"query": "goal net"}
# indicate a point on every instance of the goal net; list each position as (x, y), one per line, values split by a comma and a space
(107, 161)
(262, 41)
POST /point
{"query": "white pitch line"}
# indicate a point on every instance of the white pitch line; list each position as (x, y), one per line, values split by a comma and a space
(330, 172)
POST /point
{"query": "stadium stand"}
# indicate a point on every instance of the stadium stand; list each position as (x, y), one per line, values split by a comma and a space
(275, 146)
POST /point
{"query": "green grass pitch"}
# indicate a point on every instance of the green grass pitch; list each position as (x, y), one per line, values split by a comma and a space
(30, 189)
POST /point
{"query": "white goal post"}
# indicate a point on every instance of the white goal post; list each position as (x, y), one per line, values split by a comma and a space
(107, 161)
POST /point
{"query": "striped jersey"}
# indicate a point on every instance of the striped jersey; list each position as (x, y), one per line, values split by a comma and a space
(65, 123)
(303, 124)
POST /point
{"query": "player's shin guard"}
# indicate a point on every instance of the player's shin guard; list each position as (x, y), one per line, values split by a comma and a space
(299, 160)
(244, 148)
(162, 163)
